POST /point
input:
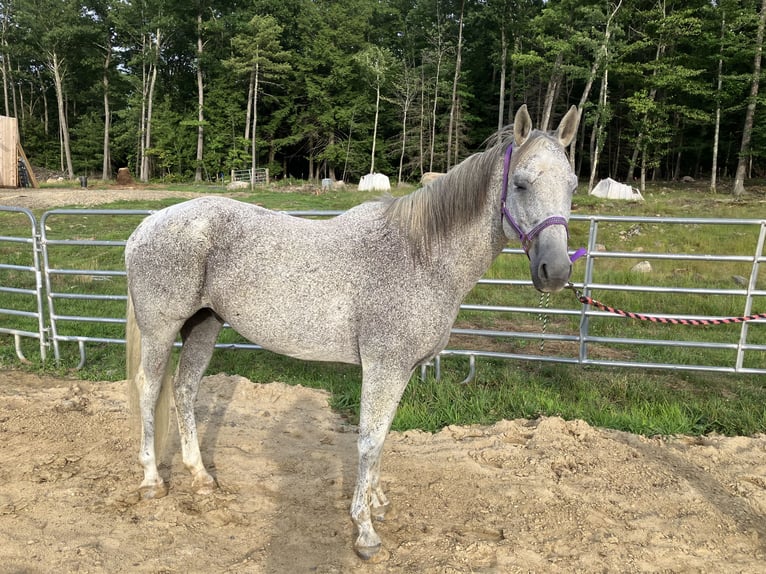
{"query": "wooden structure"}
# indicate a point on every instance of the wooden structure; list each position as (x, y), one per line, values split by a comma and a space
(15, 169)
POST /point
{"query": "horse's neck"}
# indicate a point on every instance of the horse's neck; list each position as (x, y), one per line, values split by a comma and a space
(472, 248)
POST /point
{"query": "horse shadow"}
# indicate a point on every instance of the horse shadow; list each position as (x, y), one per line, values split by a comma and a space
(294, 483)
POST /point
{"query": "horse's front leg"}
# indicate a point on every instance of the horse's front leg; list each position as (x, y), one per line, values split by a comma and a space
(381, 390)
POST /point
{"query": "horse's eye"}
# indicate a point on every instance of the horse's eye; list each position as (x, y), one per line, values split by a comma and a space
(521, 186)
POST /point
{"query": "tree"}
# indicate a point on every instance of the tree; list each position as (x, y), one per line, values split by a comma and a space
(58, 30)
(141, 83)
(455, 80)
(259, 54)
(747, 131)
(375, 63)
(5, 67)
(405, 89)
(103, 21)
(200, 97)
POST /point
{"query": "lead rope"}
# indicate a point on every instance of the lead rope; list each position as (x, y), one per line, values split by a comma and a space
(665, 320)
(542, 316)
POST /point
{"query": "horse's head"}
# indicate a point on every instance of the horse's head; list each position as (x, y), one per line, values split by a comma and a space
(538, 184)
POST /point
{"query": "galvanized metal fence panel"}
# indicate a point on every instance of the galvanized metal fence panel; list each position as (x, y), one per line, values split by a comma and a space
(506, 327)
(8, 307)
(751, 298)
(50, 238)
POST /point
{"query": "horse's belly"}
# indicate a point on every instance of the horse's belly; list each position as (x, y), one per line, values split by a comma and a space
(326, 354)
(311, 338)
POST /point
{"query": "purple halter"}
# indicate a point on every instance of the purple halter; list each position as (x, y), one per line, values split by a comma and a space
(527, 238)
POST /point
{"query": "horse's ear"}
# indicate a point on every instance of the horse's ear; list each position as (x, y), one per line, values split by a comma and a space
(568, 126)
(522, 125)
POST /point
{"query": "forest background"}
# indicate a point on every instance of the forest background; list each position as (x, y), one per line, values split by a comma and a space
(181, 90)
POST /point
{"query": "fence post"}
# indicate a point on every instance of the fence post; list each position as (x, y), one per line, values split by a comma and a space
(751, 285)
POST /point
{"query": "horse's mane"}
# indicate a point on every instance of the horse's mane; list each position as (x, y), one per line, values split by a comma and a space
(456, 198)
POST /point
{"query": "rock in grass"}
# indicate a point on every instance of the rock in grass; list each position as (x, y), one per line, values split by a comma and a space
(642, 267)
(739, 280)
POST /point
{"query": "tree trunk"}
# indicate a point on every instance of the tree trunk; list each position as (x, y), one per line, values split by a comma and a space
(5, 72)
(253, 145)
(601, 56)
(423, 126)
(404, 143)
(330, 167)
(553, 89)
(680, 146)
(597, 136)
(249, 112)
(407, 96)
(142, 119)
(142, 122)
(747, 132)
(717, 133)
(433, 114)
(503, 64)
(512, 83)
(200, 103)
(145, 160)
(6, 67)
(106, 167)
(348, 145)
(145, 163)
(455, 81)
(58, 79)
(375, 125)
(652, 95)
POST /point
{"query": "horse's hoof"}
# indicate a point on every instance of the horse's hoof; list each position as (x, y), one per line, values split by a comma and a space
(372, 554)
(204, 486)
(152, 492)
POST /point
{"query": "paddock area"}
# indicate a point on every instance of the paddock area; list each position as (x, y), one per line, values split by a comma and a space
(543, 495)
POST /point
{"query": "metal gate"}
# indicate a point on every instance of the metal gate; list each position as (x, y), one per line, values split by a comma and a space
(499, 320)
(24, 297)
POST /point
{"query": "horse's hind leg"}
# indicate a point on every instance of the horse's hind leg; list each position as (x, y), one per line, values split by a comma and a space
(199, 334)
(152, 376)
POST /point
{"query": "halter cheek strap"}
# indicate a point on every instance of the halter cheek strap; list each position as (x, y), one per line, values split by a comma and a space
(527, 238)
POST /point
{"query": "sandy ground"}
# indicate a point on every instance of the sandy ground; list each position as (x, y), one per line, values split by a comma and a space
(547, 495)
(49, 198)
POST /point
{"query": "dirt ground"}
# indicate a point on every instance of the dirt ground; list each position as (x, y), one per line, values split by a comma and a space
(547, 495)
(50, 198)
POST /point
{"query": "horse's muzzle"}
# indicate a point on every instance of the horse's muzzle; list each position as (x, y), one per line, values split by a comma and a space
(550, 275)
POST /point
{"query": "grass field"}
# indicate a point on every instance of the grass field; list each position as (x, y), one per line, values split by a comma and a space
(638, 400)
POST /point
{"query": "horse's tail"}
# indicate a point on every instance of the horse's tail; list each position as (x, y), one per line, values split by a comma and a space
(135, 378)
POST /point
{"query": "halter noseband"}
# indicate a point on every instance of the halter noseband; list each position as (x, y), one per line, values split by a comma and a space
(527, 238)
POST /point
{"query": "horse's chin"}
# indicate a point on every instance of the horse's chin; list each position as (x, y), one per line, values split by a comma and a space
(550, 288)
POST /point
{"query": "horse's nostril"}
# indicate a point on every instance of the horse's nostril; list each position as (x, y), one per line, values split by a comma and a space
(543, 272)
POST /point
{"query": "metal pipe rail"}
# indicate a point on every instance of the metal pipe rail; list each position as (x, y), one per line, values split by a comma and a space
(580, 332)
(32, 242)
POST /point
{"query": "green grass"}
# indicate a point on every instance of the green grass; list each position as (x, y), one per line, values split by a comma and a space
(641, 401)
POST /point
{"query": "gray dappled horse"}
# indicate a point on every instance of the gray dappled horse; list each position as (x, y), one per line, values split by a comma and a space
(379, 286)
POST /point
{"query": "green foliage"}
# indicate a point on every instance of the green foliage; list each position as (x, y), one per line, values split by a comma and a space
(315, 111)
